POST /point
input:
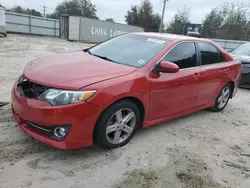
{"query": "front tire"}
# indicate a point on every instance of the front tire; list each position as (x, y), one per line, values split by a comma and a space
(117, 125)
(222, 99)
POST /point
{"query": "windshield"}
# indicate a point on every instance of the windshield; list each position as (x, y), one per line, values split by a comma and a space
(242, 50)
(130, 49)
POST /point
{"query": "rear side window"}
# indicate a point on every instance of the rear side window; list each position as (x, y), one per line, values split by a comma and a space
(183, 55)
(210, 54)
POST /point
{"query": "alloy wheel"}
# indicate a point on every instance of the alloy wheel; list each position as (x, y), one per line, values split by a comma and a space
(224, 97)
(120, 126)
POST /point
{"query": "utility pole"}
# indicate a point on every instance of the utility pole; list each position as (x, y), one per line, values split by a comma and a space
(162, 16)
(248, 25)
(44, 11)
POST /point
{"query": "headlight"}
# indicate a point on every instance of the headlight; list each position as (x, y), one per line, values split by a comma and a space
(61, 97)
(20, 78)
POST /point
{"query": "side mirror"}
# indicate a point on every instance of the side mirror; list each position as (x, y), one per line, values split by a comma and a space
(167, 67)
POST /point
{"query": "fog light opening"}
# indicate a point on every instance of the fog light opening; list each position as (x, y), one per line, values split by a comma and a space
(60, 132)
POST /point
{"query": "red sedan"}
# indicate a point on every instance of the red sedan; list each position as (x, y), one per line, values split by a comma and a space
(102, 95)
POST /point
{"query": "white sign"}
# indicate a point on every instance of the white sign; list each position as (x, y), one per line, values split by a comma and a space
(158, 41)
(141, 62)
(97, 31)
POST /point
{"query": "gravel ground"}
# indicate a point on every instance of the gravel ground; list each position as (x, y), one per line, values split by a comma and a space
(188, 152)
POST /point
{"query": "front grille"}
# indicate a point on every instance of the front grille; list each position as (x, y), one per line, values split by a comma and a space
(245, 79)
(30, 90)
(245, 62)
(45, 130)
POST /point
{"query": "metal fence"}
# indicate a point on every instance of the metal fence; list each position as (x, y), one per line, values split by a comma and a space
(21, 23)
(229, 45)
(80, 28)
(94, 31)
(2, 21)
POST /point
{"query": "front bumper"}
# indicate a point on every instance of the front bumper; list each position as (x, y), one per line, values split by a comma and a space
(82, 118)
(245, 80)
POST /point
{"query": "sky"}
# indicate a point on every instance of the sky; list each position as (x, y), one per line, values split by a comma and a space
(116, 9)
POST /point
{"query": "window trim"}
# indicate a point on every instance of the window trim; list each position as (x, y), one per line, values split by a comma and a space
(199, 52)
(196, 50)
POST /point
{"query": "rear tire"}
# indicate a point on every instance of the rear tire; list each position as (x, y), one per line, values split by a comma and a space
(117, 125)
(223, 98)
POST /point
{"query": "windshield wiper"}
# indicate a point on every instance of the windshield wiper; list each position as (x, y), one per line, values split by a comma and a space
(88, 51)
(104, 57)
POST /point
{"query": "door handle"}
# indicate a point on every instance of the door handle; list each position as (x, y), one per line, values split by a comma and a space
(226, 70)
(196, 75)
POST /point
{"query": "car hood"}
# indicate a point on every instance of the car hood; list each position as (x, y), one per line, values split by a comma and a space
(243, 58)
(73, 70)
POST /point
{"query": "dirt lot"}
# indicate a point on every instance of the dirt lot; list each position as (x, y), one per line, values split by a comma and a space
(188, 152)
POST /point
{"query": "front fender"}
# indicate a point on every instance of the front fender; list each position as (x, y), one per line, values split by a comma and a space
(133, 85)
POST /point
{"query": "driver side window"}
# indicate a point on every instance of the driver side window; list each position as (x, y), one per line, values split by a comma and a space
(183, 55)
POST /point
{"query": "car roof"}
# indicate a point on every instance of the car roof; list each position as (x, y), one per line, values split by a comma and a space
(246, 44)
(171, 37)
(242, 45)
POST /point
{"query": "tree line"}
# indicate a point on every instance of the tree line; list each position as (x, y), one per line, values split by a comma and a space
(227, 21)
(19, 9)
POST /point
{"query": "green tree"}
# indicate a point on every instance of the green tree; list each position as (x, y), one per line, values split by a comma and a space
(132, 16)
(235, 23)
(71, 8)
(180, 18)
(143, 16)
(110, 20)
(214, 20)
(33, 12)
(146, 15)
(247, 36)
(75, 8)
(87, 9)
(228, 21)
(156, 22)
(53, 16)
(21, 10)
(17, 9)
